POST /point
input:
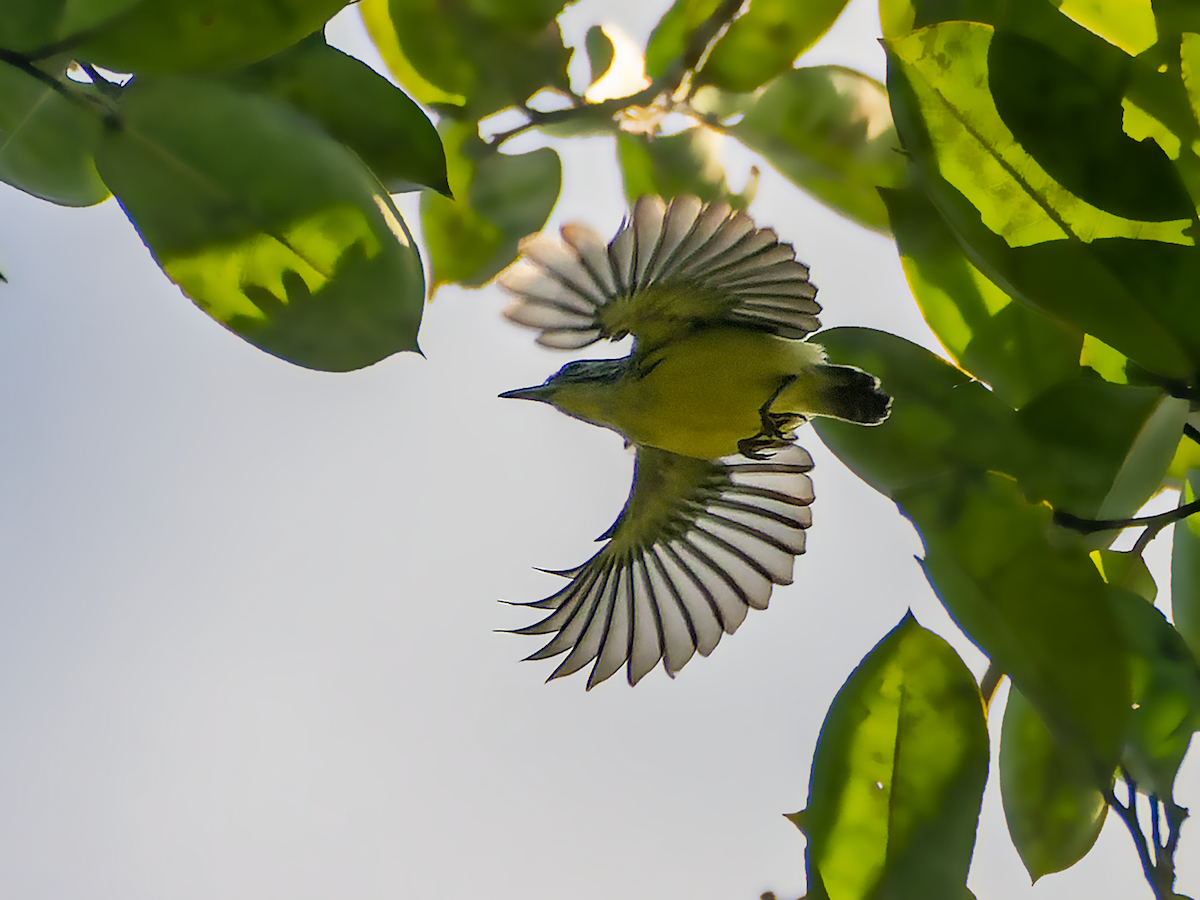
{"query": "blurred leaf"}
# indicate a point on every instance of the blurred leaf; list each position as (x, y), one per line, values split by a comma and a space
(670, 36)
(46, 141)
(898, 774)
(1166, 694)
(942, 422)
(1017, 350)
(765, 40)
(528, 15)
(1130, 293)
(1036, 609)
(499, 200)
(1189, 52)
(378, 21)
(178, 35)
(600, 52)
(1102, 449)
(670, 165)
(272, 228)
(492, 63)
(356, 106)
(1185, 568)
(1053, 808)
(828, 130)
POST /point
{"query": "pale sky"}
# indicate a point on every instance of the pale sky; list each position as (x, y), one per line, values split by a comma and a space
(247, 611)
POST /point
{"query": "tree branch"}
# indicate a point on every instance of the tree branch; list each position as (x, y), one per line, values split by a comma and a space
(1159, 871)
(666, 83)
(1154, 524)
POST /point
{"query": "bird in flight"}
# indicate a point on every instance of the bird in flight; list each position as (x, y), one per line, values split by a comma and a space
(719, 377)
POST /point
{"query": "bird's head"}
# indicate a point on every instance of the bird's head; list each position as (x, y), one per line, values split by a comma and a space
(583, 389)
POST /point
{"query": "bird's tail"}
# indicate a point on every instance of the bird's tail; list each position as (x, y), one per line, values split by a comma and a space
(852, 395)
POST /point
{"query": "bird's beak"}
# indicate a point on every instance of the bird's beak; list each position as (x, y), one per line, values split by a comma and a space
(530, 393)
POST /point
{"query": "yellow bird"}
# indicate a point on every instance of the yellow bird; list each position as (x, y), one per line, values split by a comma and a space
(719, 376)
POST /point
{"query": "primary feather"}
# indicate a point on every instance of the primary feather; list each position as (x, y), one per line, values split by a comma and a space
(670, 266)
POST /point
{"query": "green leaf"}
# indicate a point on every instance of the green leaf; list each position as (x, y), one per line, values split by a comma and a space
(1053, 808)
(378, 21)
(898, 775)
(499, 199)
(600, 52)
(765, 40)
(829, 131)
(490, 62)
(1166, 694)
(1071, 124)
(1019, 198)
(1129, 24)
(1185, 568)
(181, 35)
(1035, 607)
(46, 140)
(1104, 360)
(356, 106)
(670, 165)
(896, 17)
(1017, 350)
(1126, 569)
(1102, 449)
(1130, 292)
(271, 227)
(942, 422)
(528, 15)
(28, 26)
(670, 36)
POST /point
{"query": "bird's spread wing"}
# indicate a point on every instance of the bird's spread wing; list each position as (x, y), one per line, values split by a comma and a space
(697, 545)
(671, 266)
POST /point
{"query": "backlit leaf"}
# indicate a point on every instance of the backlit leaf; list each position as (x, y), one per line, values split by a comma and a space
(898, 775)
(828, 130)
(378, 21)
(1130, 292)
(272, 228)
(1052, 806)
(1017, 350)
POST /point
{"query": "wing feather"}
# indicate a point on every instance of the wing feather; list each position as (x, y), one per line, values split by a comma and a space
(670, 267)
(698, 544)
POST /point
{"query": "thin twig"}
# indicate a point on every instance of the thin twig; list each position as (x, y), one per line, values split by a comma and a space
(1157, 522)
(1129, 816)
